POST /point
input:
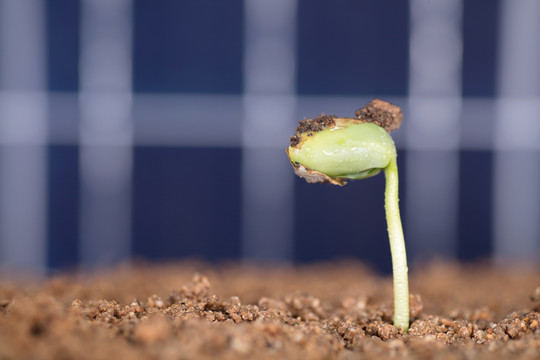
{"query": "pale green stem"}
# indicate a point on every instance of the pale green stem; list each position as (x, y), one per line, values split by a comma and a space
(397, 247)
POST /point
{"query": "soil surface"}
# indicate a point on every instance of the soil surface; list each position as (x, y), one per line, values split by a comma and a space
(325, 311)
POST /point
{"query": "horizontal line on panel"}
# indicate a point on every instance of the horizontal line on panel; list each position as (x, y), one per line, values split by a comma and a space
(193, 120)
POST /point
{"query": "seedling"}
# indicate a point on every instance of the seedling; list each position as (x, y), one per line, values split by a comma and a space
(329, 149)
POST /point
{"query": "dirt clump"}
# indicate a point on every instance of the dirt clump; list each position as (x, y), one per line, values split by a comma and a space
(311, 126)
(382, 113)
(325, 311)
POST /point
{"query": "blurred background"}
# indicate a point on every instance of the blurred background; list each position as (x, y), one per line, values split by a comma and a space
(157, 130)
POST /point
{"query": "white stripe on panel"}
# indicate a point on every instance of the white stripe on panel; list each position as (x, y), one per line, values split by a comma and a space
(433, 127)
(519, 49)
(269, 117)
(477, 119)
(22, 35)
(64, 118)
(517, 133)
(192, 120)
(105, 131)
(156, 118)
(23, 129)
(23, 201)
(516, 224)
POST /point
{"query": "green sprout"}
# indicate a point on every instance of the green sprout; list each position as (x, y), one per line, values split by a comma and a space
(329, 149)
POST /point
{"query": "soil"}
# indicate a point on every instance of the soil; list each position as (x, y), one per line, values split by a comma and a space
(382, 113)
(311, 126)
(325, 311)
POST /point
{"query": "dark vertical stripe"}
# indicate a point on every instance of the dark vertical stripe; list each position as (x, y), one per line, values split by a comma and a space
(475, 205)
(186, 203)
(480, 22)
(63, 206)
(353, 47)
(63, 44)
(188, 46)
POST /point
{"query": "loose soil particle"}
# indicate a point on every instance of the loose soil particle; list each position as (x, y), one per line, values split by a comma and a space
(326, 311)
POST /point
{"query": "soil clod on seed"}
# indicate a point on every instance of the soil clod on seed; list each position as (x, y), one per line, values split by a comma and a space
(382, 113)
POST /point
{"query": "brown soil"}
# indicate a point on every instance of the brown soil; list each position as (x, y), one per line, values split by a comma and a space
(330, 311)
(382, 113)
(310, 126)
(377, 111)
